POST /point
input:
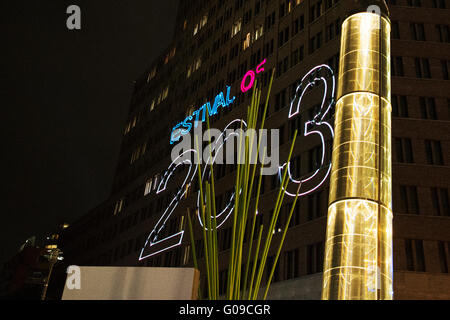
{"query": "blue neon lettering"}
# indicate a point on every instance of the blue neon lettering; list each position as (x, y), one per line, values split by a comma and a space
(186, 125)
(229, 101)
(219, 101)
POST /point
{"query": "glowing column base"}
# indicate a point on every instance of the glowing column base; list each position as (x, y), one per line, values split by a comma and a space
(355, 224)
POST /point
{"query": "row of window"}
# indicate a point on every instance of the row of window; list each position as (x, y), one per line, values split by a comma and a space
(418, 33)
(415, 255)
(439, 4)
(421, 67)
(404, 151)
(401, 107)
(408, 201)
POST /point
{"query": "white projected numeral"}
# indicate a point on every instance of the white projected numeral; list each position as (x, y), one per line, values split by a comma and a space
(225, 213)
(317, 126)
(153, 244)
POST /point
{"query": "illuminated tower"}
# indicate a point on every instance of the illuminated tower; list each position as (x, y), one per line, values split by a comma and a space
(358, 251)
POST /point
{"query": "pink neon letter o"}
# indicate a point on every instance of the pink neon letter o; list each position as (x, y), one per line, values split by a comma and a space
(245, 88)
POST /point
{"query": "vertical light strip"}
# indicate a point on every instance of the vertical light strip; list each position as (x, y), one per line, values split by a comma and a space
(358, 249)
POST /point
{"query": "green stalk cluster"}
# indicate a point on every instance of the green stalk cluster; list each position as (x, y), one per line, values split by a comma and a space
(242, 283)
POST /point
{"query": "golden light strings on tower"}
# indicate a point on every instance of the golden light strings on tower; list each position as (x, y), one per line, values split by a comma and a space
(358, 250)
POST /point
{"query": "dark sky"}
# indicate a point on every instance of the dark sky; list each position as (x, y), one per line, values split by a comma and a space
(65, 97)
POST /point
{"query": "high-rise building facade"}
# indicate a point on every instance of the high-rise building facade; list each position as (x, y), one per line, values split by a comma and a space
(216, 43)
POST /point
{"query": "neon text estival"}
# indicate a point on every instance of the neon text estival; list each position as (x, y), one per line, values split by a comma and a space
(185, 126)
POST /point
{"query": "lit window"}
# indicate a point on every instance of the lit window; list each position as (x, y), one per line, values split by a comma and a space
(170, 55)
(198, 63)
(127, 128)
(118, 207)
(152, 105)
(185, 25)
(204, 21)
(165, 93)
(201, 24)
(259, 32)
(148, 186)
(144, 148)
(155, 181)
(247, 41)
(151, 74)
(195, 29)
(236, 27)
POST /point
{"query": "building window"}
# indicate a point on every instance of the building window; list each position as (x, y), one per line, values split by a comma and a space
(295, 124)
(442, 256)
(236, 27)
(268, 48)
(280, 100)
(415, 257)
(247, 41)
(399, 106)
(259, 32)
(414, 3)
(315, 208)
(397, 66)
(282, 11)
(298, 25)
(395, 30)
(403, 148)
(148, 186)
(247, 16)
(427, 108)
(422, 68)
(314, 158)
(408, 200)
(314, 258)
(283, 37)
(257, 7)
(151, 74)
(119, 206)
(281, 135)
(295, 219)
(276, 274)
(443, 33)
(270, 20)
(291, 264)
(433, 150)
(417, 31)
(203, 21)
(445, 66)
(439, 4)
(439, 198)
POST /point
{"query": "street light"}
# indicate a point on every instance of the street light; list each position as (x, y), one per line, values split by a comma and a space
(53, 256)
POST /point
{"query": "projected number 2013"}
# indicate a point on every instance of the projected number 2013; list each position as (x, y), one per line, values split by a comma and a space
(317, 126)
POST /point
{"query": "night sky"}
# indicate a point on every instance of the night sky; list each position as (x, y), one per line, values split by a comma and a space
(65, 98)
